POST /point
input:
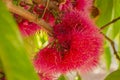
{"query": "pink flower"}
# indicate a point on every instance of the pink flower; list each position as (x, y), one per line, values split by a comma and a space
(24, 5)
(80, 5)
(65, 7)
(84, 51)
(78, 45)
(38, 9)
(47, 60)
(28, 28)
(81, 41)
(70, 21)
(84, 5)
(48, 16)
(46, 76)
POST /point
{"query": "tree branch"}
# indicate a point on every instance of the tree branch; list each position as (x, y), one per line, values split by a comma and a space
(111, 42)
(114, 20)
(113, 46)
(27, 15)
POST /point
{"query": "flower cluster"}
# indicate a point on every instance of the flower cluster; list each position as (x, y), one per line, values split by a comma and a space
(47, 16)
(47, 60)
(79, 45)
(84, 5)
(76, 42)
(80, 5)
(28, 28)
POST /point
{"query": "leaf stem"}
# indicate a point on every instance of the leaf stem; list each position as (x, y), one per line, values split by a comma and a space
(113, 21)
(113, 46)
(47, 3)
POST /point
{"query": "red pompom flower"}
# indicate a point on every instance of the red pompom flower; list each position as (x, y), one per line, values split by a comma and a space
(48, 16)
(78, 45)
(80, 5)
(83, 5)
(47, 60)
(81, 42)
(28, 28)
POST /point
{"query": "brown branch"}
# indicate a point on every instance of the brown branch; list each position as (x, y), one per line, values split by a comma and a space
(47, 3)
(53, 4)
(114, 20)
(38, 1)
(27, 15)
(111, 42)
(113, 46)
(28, 2)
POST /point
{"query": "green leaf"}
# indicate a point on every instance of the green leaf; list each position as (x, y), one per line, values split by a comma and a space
(0, 65)
(116, 12)
(30, 45)
(117, 41)
(119, 45)
(62, 77)
(15, 62)
(107, 56)
(16, 2)
(105, 7)
(114, 75)
(78, 77)
(109, 10)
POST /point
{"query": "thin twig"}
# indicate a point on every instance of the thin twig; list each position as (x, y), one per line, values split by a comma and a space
(53, 4)
(114, 20)
(27, 15)
(45, 8)
(38, 1)
(113, 46)
(111, 41)
(28, 2)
